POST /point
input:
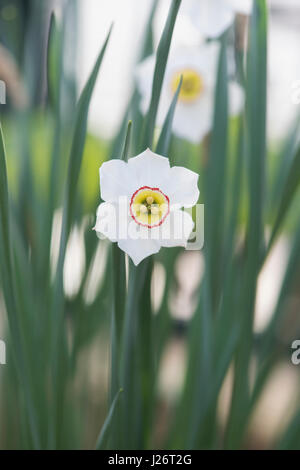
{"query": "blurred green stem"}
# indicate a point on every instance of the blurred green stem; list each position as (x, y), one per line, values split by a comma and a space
(137, 357)
(118, 308)
(256, 84)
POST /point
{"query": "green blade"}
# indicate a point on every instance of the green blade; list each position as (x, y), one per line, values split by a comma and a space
(201, 346)
(79, 135)
(164, 140)
(159, 73)
(54, 61)
(216, 180)
(290, 188)
(256, 94)
(291, 438)
(118, 310)
(106, 428)
(8, 284)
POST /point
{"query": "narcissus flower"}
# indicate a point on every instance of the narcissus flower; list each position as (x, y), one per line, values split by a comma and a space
(213, 17)
(143, 204)
(194, 110)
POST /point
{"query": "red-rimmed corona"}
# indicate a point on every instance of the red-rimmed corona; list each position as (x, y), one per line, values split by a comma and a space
(149, 207)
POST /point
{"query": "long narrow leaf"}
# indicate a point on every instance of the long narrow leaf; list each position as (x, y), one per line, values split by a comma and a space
(292, 183)
(164, 140)
(71, 188)
(104, 434)
(159, 73)
(118, 310)
(256, 86)
(7, 277)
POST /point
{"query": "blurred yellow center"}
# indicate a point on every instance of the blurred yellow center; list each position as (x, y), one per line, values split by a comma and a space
(149, 206)
(191, 87)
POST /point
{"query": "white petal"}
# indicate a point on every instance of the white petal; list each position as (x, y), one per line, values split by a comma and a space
(139, 249)
(193, 122)
(203, 59)
(182, 187)
(241, 6)
(211, 17)
(144, 78)
(149, 168)
(116, 180)
(106, 222)
(176, 229)
(144, 74)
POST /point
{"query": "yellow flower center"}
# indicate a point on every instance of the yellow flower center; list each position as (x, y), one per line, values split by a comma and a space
(191, 87)
(149, 207)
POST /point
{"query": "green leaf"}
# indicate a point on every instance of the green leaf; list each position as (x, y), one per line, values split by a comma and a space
(267, 357)
(136, 358)
(124, 155)
(292, 183)
(285, 158)
(79, 135)
(256, 90)
(133, 111)
(291, 438)
(215, 179)
(201, 339)
(118, 310)
(166, 132)
(106, 428)
(147, 48)
(8, 285)
(55, 78)
(75, 160)
(227, 314)
(159, 73)
(54, 61)
(137, 346)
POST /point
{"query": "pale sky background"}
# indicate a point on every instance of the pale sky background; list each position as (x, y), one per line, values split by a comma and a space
(129, 16)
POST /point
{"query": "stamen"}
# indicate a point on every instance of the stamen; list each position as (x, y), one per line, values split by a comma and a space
(154, 210)
(150, 200)
(143, 209)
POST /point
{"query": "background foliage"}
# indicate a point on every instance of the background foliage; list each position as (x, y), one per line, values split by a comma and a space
(86, 359)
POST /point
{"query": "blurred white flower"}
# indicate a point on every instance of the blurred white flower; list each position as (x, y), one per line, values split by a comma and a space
(283, 72)
(143, 202)
(213, 17)
(240, 6)
(194, 110)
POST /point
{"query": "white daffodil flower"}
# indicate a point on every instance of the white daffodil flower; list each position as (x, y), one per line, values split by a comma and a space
(143, 204)
(194, 110)
(213, 17)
